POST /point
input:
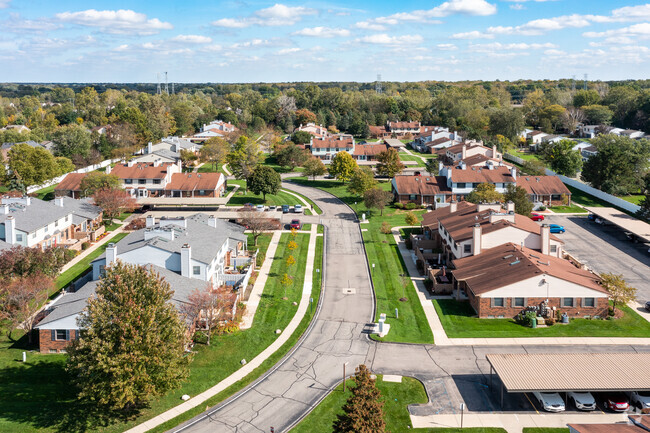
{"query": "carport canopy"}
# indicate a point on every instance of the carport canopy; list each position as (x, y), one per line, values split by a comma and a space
(630, 224)
(565, 372)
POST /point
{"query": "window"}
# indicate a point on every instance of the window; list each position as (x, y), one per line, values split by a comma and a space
(56, 223)
(66, 218)
(142, 181)
(34, 235)
(411, 196)
(467, 248)
(19, 237)
(589, 302)
(129, 181)
(61, 334)
(460, 185)
(567, 302)
(196, 270)
(45, 229)
(102, 270)
(554, 248)
(518, 302)
(497, 302)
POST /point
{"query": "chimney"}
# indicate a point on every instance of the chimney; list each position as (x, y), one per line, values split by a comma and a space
(186, 260)
(545, 235)
(10, 230)
(150, 147)
(58, 201)
(111, 254)
(212, 221)
(513, 172)
(453, 206)
(4, 209)
(462, 165)
(108, 169)
(150, 221)
(157, 162)
(510, 206)
(440, 166)
(463, 153)
(494, 151)
(476, 239)
(130, 163)
(28, 200)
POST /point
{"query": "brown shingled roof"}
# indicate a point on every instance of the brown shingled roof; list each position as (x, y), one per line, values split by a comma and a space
(141, 170)
(331, 142)
(438, 141)
(430, 219)
(369, 149)
(508, 264)
(194, 181)
(422, 185)
(404, 125)
(482, 175)
(543, 185)
(71, 182)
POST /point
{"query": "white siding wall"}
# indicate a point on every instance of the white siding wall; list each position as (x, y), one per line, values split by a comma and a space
(534, 288)
(153, 255)
(69, 322)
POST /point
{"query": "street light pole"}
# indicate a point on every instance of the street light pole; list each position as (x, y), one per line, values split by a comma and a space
(344, 365)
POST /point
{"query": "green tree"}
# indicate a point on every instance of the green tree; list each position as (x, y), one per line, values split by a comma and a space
(133, 344)
(314, 167)
(291, 156)
(361, 181)
(96, 180)
(304, 116)
(32, 165)
(64, 165)
(485, 192)
(264, 180)
(619, 165)
(533, 167)
(585, 97)
(411, 219)
(553, 114)
(286, 281)
(519, 196)
(644, 212)
(389, 163)
(431, 166)
(214, 151)
(377, 198)
(72, 141)
(301, 137)
(243, 157)
(561, 157)
(598, 114)
(363, 412)
(507, 122)
(342, 166)
(619, 291)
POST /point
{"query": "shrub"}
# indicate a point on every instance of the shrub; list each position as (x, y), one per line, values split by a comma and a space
(136, 224)
(399, 205)
(85, 246)
(385, 228)
(410, 206)
(409, 243)
(420, 266)
(526, 319)
(550, 321)
(542, 208)
(200, 338)
(428, 283)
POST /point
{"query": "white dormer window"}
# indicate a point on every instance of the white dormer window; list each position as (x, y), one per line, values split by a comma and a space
(56, 223)
(45, 229)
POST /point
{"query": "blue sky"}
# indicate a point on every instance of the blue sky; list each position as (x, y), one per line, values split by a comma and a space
(252, 41)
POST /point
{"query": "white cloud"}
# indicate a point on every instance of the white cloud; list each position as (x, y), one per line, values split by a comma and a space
(191, 39)
(119, 21)
(322, 32)
(4, 4)
(276, 15)
(517, 6)
(251, 43)
(447, 47)
(497, 46)
(523, 1)
(289, 51)
(384, 39)
(365, 25)
(624, 35)
(16, 24)
(474, 34)
(464, 7)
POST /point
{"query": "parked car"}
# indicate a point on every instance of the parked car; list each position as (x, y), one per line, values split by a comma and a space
(536, 217)
(582, 400)
(647, 305)
(616, 401)
(260, 207)
(295, 224)
(550, 401)
(556, 228)
(297, 208)
(272, 207)
(285, 208)
(640, 399)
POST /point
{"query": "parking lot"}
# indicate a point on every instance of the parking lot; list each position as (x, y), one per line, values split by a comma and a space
(606, 248)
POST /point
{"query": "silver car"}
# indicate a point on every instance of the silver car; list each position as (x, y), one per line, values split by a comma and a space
(582, 400)
(640, 399)
(550, 401)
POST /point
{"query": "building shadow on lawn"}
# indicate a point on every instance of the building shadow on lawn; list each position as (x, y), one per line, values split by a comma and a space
(39, 393)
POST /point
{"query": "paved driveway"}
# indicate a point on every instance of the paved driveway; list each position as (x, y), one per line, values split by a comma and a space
(606, 249)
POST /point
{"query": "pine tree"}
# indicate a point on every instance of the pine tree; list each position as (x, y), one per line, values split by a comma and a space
(132, 345)
(364, 410)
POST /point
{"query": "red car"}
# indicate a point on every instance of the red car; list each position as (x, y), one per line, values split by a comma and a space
(536, 217)
(295, 224)
(616, 402)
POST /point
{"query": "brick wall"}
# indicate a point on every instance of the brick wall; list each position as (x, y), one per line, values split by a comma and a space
(484, 308)
(46, 344)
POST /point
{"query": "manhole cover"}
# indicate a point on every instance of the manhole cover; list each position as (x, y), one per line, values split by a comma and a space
(349, 291)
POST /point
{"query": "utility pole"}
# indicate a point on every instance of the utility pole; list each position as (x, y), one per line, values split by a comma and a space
(166, 84)
(586, 75)
(378, 84)
(158, 90)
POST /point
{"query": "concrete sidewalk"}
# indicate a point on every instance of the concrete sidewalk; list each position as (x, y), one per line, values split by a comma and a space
(252, 364)
(440, 337)
(514, 422)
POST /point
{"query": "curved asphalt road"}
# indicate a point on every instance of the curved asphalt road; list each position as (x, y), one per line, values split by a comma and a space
(317, 363)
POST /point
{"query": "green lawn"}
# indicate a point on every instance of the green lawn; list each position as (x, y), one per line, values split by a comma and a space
(270, 161)
(308, 200)
(636, 198)
(46, 193)
(112, 226)
(458, 321)
(412, 325)
(568, 209)
(523, 155)
(396, 397)
(406, 157)
(209, 168)
(545, 430)
(36, 396)
(585, 199)
(80, 268)
(241, 198)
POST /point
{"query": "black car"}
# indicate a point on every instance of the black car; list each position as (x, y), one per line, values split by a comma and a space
(647, 305)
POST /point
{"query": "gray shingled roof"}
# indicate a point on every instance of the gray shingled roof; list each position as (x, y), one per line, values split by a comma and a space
(4, 245)
(36, 215)
(31, 143)
(83, 208)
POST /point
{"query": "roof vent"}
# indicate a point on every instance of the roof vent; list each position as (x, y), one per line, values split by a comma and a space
(508, 256)
(514, 263)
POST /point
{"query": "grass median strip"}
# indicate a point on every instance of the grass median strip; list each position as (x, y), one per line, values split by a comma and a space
(459, 322)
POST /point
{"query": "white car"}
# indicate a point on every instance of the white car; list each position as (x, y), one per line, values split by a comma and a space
(550, 401)
(297, 208)
(582, 400)
(640, 399)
